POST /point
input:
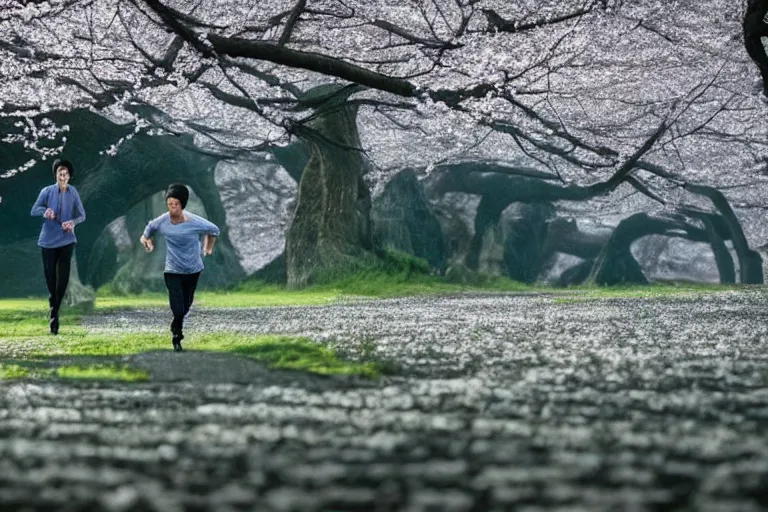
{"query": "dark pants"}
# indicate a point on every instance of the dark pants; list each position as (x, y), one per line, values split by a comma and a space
(56, 266)
(181, 293)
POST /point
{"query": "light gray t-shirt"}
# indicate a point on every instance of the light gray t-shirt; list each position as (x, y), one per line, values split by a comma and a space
(184, 254)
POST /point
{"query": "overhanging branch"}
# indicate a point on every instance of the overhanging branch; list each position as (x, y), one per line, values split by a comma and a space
(237, 47)
(496, 22)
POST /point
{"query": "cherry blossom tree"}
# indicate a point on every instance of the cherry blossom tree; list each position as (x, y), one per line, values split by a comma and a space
(572, 86)
(591, 95)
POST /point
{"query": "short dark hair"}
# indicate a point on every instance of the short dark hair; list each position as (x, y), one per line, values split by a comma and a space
(178, 191)
(63, 163)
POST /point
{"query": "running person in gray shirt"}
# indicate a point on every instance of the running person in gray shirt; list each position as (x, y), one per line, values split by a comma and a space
(183, 259)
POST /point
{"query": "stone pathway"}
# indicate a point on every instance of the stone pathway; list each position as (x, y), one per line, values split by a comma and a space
(500, 402)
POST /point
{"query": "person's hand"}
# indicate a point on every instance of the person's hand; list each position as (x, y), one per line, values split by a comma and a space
(148, 244)
(68, 226)
(49, 214)
(208, 242)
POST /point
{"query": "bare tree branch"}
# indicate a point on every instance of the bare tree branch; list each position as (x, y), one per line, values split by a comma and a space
(172, 18)
(643, 188)
(236, 47)
(621, 174)
(502, 168)
(292, 19)
(408, 36)
(496, 22)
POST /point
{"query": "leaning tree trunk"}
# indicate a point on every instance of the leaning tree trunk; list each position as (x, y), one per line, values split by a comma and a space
(717, 230)
(750, 262)
(616, 265)
(723, 258)
(331, 226)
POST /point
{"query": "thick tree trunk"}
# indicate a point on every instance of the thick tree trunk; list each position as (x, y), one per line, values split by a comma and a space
(487, 218)
(615, 264)
(403, 220)
(331, 226)
(717, 231)
(750, 262)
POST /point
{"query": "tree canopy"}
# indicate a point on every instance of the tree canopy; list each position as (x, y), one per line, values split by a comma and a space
(653, 93)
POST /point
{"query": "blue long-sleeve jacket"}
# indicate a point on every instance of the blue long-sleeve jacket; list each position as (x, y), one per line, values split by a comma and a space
(67, 206)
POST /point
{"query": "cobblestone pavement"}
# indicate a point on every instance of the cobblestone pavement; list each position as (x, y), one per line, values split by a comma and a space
(499, 402)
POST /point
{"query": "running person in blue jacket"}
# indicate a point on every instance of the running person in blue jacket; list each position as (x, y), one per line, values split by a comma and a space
(60, 205)
(183, 261)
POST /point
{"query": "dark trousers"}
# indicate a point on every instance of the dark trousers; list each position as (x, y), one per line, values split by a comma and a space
(181, 293)
(56, 266)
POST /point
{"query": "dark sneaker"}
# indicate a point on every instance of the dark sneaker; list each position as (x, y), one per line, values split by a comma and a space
(177, 342)
(53, 320)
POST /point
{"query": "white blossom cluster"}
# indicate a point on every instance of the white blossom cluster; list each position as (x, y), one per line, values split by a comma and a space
(30, 136)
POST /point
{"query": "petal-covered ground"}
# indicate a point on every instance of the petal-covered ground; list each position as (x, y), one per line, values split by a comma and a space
(495, 402)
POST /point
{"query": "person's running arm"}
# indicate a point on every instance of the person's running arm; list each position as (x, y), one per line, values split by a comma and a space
(211, 231)
(208, 242)
(80, 208)
(146, 240)
(40, 208)
(76, 206)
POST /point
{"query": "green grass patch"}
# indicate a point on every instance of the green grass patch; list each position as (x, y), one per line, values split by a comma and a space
(145, 300)
(19, 317)
(31, 319)
(265, 295)
(279, 352)
(9, 371)
(13, 306)
(13, 371)
(102, 372)
(392, 274)
(290, 353)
